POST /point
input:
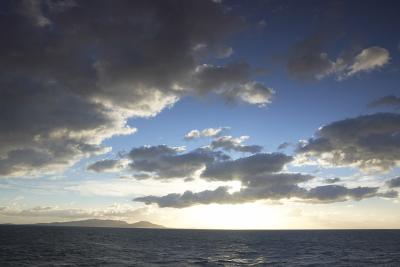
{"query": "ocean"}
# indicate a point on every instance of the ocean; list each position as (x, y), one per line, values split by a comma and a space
(75, 246)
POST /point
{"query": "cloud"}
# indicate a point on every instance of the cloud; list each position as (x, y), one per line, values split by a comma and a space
(389, 100)
(167, 162)
(266, 185)
(308, 61)
(368, 142)
(250, 92)
(188, 198)
(393, 183)
(32, 10)
(233, 82)
(262, 23)
(208, 132)
(105, 165)
(47, 127)
(224, 52)
(261, 178)
(64, 89)
(284, 145)
(164, 162)
(230, 143)
(210, 77)
(336, 193)
(317, 195)
(369, 59)
(332, 180)
(193, 134)
(389, 194)
(245, 167)
(312, 58)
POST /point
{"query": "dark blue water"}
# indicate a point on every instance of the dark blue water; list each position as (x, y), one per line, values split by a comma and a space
(69, 246)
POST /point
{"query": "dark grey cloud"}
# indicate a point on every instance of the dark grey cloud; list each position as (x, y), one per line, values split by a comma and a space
(308, 61)
(332, 180)
(164, 162)
(224, 52)
(210, 77)
(167, 162)
(44, 126)
(73, 73)
(105, 165)
(284, 145)
(262, 178)
(393, 183)
(389, 194)
(233, 82)
(267, 186)
(316, 195)
(313, 59)
(275, 180)
(230, 143)
(245, 167)
(367, 142)
(389, 100)
(189, 198)
(335, 193)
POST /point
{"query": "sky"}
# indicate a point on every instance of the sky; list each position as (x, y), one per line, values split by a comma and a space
(201, 114)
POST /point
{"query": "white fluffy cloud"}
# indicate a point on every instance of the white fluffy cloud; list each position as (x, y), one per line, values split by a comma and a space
(208, 132)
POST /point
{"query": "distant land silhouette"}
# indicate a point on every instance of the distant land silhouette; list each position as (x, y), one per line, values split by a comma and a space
(103, 223)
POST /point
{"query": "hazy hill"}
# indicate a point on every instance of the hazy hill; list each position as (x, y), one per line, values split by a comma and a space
(104, 223)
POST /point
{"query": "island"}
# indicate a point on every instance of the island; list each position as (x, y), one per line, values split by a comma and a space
(104, 223)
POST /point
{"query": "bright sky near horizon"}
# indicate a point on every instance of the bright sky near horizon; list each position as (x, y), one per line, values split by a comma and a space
(201, 114)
